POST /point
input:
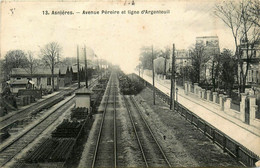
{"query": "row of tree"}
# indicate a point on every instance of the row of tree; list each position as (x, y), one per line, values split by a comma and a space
(148, 54)
(242, 18)
(223, 68)
(223, 72)
(227, 67)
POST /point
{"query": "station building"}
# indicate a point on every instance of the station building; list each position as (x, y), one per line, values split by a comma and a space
(40, 79)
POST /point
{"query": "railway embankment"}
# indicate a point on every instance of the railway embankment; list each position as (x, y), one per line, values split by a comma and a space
(184, 144)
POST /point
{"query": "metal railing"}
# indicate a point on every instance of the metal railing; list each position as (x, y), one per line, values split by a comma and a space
(235, 106)
(235, 149)
(211, 96)
(192, 89)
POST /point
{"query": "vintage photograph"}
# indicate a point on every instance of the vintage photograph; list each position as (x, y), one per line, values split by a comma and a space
(129, 83)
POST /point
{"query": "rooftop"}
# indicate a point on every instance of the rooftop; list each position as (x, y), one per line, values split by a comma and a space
(38, 71)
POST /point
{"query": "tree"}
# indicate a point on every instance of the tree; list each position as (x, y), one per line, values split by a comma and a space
(32, 63)
(159, 64)
(68, 61)
(228, 70)
(146, 57)
(166, 54)
(254, 12)
(215, 70)
(240, 18)
(13, 59)
(198, 60)
(51, 55)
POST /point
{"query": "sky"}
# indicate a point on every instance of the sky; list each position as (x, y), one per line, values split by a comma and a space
(114, 37)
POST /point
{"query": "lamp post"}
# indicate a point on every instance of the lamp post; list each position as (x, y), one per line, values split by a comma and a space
(172, 94)
(78, 66)
(86, 69)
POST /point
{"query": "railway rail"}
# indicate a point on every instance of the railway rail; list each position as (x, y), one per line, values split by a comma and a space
(35, 108)
(7, 123)
(105, 154)
(17, 145)
(229, 145)
(151, 151)
(8, 152)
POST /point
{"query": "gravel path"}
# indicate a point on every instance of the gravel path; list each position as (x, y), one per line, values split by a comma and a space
(184, 144)
(128, 149)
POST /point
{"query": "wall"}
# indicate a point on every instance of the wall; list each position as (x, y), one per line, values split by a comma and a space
(224, 104)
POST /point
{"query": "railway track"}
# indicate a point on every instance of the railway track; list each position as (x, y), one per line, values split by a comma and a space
(105, 154)
(17, 145)
(34, 108)
(8, 152)
(6, 123)
(151, 151)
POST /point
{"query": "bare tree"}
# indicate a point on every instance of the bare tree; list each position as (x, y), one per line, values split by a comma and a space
(50, 56)
(238, 17)
(32, 63)
(254, 12)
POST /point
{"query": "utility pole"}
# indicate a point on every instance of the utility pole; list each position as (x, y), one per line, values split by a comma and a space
(139, 72)
(86, 73)
(139, 69)
(153, 79)
(172, 96)
(78, 66)
(97, 67)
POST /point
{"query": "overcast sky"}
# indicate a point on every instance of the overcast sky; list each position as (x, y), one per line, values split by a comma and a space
(117, 38)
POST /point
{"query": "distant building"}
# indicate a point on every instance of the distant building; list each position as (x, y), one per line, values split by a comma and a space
(182, 59)
(211, 48)
(74, 71)
(253, 76)
(159, 65)
(210, 42)
(41, 78)
(65, 76)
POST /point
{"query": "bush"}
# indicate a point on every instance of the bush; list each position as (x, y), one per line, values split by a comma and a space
(129, 86)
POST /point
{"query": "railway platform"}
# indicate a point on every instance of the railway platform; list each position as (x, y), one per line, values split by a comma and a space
(241, 133)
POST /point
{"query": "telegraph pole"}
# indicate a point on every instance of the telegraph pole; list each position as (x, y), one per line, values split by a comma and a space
(139, 72)
(78, 66)
(97, 67)
(139, 69)
(86, 73)
(172, 96)
(153, 79)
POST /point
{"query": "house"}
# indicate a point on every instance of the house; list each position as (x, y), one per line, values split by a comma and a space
(65, 76)
(182, 59)
(16, 85)
(211, 49)
(159, 65)
(41, 78)
(253, 76)
(74, 70)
